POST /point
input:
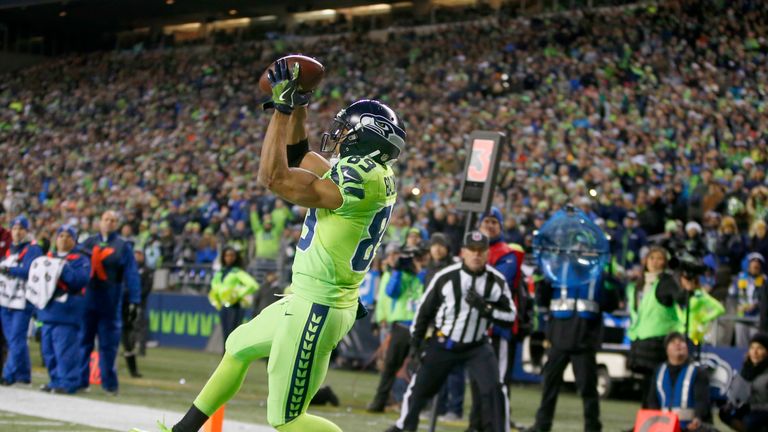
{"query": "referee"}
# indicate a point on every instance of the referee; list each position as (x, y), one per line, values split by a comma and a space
(462, 301)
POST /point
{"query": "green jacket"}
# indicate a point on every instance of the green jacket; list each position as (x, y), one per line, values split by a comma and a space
(235, 288)
(704, 310)
(268, 242)
(650, 318)
(401, 306)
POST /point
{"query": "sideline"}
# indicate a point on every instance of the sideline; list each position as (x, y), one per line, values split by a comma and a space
(108, 415)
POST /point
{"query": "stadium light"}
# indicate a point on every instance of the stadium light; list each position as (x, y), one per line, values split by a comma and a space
(169, 2)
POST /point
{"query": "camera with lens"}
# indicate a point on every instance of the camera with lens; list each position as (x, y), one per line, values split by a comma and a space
(405, 261)
(689, 266)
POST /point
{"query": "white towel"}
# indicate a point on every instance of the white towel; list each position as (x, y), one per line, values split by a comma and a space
(11, 288)
(43, 275)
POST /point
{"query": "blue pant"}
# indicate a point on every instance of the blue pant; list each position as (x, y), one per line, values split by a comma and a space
(15, 325)
(61, 354)
(107, 327)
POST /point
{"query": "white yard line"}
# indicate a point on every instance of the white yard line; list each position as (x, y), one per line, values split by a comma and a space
(99, 414)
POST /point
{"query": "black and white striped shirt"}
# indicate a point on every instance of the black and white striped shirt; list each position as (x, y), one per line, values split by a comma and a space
(443, 304)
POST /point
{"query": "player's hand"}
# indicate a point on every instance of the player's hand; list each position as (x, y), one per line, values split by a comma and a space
(476, 301)
(285, 88)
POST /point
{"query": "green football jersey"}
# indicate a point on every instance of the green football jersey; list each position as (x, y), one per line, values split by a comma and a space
(337, 246)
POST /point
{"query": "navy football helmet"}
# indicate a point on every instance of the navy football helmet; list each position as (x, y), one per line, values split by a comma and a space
(366, 128)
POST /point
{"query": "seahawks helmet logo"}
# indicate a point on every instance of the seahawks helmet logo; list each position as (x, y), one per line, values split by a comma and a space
(382, 127)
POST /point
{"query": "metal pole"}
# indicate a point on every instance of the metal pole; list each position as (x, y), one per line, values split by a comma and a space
(433, 413)
(468, 224)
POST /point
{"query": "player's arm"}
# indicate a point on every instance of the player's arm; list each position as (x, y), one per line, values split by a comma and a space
(297, 185)
(298, 145)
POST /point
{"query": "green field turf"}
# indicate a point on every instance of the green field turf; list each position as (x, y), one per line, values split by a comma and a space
(172, 379)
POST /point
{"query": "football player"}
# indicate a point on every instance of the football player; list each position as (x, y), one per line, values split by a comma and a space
(350, 204)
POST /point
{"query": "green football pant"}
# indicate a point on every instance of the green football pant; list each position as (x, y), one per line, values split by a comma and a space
(298, 337)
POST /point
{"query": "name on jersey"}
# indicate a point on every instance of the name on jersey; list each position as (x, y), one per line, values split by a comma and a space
(389, 185)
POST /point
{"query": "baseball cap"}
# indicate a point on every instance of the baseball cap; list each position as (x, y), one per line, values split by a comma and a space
(494, 212)
(69, 229)
(20, 220)
(631, 215)
(475, 240)
(755, 256)
(439, 238)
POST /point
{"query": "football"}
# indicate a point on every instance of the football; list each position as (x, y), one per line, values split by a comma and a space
(311, 74)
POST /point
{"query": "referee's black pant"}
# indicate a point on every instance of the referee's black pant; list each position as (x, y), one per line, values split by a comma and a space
(437, 362)
(585, 372)
(397, 352)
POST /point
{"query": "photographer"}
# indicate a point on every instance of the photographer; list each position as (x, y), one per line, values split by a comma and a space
(653, 314)
(700, 308)
(400, 298)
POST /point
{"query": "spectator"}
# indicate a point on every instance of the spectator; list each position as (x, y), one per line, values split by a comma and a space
(113, 269)
(694, 244)
(15, 311)
(627, 242)
(730, 246)
(231, 292)
(652, 301)
(680, 386)
(758, 240)
(207, 248)
(267, 235)
(745, 293)
(63, 316)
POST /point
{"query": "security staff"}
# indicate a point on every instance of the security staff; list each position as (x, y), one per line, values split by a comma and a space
(16, 311)
(113, 267)
(572, 251)
(679, 386)
(63, 315)
(461, 302)
(400, 296)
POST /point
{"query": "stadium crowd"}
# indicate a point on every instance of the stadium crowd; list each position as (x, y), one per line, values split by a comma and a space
(656, 111)
(651, 119)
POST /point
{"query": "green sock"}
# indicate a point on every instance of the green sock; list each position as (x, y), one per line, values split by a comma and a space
(309, 422)
(222, 385)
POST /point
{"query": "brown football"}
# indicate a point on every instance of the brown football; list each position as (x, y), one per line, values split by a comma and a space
(311, 74)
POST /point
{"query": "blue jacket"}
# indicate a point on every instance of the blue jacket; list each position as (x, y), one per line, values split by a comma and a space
(72, 282)
(27, 251)
(112, 268)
